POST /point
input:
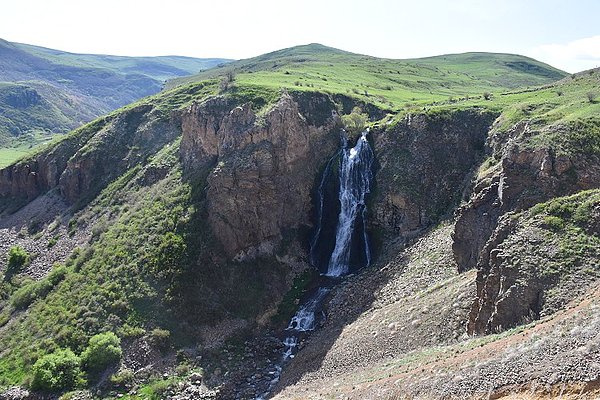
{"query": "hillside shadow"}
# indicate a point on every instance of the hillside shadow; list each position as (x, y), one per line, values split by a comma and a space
(344, 305)
(36, 214)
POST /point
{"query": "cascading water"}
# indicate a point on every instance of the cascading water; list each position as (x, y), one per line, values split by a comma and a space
(351, 240)
(304, 320)
(355, 183)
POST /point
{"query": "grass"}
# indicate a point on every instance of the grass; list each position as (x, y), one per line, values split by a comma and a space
(22, 146)
(389, 84)
(106, 287)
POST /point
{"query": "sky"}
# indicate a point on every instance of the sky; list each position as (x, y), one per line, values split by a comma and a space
(563, 33)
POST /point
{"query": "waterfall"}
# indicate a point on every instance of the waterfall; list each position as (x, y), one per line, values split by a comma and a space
(304, 320)
(355, 178)
(351, 241)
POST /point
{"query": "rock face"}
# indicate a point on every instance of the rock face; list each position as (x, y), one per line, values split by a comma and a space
(424, 164)
(509, 290)
(536, 262)
(262, 168)
(522, 177)
(85, 162)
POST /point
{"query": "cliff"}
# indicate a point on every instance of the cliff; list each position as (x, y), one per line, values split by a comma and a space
(425, 162)
(263, 168)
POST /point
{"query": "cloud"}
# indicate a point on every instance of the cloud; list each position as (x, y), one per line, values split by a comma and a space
(573, 56)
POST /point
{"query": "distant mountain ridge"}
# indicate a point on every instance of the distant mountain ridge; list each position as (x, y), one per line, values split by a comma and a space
(70, 89)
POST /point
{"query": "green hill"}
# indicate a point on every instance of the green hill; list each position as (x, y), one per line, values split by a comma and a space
(50, 91)
(180, 222)
(385, 82)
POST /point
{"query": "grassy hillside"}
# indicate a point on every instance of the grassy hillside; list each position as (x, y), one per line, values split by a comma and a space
(45, 90)
(147, 259)
(160, 68)
(388, 83)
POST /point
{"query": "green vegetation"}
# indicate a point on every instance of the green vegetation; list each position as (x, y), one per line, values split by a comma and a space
(572, 224)
(355, 122)
(160, 338)
(79, 88)
(106, 287)
(104, 350)
(16, 259)
(389, 84)
(34, 290)
(57, 371)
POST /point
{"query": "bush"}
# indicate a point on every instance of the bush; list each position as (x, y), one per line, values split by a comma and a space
(591, 96)
(355, 122)
(487, 96)
(103, 350)
(57, 371)
(160, 338)
(34, 290)
(17, 259)
(123, 378)
(554, 223)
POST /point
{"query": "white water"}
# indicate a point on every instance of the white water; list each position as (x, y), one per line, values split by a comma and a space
(355, 184)
(304, 320)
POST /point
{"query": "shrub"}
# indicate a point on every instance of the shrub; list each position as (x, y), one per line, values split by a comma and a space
(355, 121)
(160, 338)
(487, 95)
(103, 350)
(554, 223)
(57, 371)
(591, 96)
(17, 259)
(34, 290)
(123, 378)
(169, 255)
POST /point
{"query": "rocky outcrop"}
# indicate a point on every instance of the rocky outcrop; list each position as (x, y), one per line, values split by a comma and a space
(128, 140)
(90, 158)
(523, 176)
(536, 262)
(425, 161)
(262, 168)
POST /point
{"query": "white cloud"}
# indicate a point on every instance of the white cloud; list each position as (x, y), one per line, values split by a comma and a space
(573, 56)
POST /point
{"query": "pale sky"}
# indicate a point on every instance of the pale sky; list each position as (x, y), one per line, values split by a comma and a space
(563, 33)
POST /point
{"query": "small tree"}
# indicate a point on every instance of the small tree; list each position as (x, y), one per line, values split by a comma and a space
(57, 371)
(103, 350)
(356, 121)
(591, 96)
(17, 259)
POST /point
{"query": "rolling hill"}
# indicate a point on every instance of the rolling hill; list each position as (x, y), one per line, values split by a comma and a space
(45, 91)
(390, 84)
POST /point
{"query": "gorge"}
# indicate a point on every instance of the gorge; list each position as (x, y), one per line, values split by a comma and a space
(238, 246)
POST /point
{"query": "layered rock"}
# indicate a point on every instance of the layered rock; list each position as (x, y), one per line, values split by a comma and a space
(523, 177)
(424, 163)
(536, 262)
(262, 168)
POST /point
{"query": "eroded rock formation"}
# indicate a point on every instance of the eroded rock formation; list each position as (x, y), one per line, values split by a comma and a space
(262, 168)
